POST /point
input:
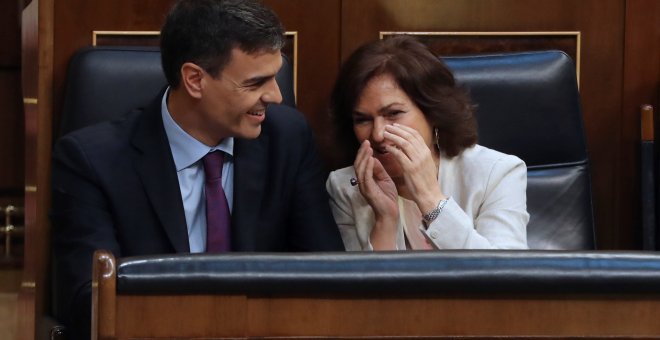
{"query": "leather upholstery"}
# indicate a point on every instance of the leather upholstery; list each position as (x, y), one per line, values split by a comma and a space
(394, 273)
(104, 83)
(528, 105)
(647, 194)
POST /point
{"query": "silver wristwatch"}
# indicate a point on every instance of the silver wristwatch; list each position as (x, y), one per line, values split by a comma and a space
(433, 214)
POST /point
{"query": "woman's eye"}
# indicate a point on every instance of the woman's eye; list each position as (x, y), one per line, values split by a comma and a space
(393, 113)
(360, 120)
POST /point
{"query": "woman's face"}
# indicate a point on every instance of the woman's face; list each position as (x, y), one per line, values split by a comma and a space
(382, 102)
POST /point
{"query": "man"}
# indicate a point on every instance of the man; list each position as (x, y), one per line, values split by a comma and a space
(137, 186)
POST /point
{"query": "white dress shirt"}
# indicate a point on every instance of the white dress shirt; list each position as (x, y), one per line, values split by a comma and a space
(188, 152)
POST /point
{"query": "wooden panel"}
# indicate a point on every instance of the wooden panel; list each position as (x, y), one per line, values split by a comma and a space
(11, 117)
(170, 316)
(10, 34)
(9, 285)
(27, 298)
(601, 25)
(641, 84)
(468, 43)
(11, 133)
(36, 76)
(77, 19)
(8, 317)
(524, 315)
(318, 27)
(547, 315)
(125, 38)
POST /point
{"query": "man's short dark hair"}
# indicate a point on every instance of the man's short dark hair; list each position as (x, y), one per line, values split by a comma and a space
(424, 78)
(205, 32)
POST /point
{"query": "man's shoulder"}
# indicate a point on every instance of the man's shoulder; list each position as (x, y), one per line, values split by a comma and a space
(102, 135)
(121, 127)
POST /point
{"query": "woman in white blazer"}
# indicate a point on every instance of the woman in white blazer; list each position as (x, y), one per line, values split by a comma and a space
(419, 180)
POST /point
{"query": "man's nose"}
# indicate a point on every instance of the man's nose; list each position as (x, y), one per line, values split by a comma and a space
(272, 94)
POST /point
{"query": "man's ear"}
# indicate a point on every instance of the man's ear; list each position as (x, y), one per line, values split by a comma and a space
(191, 79)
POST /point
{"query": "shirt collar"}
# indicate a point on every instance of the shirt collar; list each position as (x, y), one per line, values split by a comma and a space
(186, 150)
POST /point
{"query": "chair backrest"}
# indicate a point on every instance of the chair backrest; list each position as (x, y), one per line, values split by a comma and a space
(104, 83)
(528, 105)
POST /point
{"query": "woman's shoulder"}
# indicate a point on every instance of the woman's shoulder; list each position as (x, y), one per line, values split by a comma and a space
(481, 162)
(486, 157)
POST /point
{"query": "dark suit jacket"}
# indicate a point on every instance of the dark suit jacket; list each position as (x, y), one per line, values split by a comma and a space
(115, 187)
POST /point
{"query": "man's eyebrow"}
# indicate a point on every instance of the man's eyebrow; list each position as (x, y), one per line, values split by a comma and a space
(257, 80)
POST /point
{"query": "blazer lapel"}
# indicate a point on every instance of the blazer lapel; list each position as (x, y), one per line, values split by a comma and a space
(250, 172)
(155, 166)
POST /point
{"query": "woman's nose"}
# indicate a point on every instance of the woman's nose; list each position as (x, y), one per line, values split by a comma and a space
(378, 129)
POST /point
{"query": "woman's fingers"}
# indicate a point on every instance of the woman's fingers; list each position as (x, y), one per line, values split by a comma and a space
(363, 164)
(375, 184)
(420, 170)
(408, 147)
(407, 135)
(362, 155)
(364, 171)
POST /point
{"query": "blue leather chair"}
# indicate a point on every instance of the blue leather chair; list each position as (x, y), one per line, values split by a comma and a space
(528, 105)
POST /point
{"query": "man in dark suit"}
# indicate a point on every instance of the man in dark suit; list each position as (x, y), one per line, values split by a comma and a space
(139, 186)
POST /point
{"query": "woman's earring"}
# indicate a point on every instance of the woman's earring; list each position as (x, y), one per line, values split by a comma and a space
(437, 143)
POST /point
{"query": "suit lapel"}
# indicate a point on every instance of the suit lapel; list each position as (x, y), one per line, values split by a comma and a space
(250, 172)
(155, 166)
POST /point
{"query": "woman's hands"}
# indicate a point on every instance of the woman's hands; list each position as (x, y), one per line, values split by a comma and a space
(375, 184)
(420, 172)
(420, 180)
(380, 192)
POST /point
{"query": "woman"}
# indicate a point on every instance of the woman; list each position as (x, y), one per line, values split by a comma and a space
(419, 180)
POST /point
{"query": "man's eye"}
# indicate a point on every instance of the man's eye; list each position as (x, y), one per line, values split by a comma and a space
(255, 86)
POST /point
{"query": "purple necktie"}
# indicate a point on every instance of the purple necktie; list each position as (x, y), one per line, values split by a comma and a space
(217, 210)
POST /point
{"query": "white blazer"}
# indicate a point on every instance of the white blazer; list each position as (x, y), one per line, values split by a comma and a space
(487, 208)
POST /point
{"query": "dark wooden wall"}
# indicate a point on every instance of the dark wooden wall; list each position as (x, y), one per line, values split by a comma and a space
(11, 159)
(620, 52)
(11, 111)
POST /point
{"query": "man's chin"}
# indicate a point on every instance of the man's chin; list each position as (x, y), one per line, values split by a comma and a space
(251, 133)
